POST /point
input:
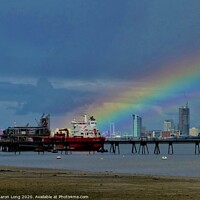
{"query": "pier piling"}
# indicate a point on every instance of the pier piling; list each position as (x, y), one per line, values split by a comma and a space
(197, 149)
(134, 149)
(157, 148)
(170, 148)
(117, 146)
(113, 146)
(67, 149)
(144, 146)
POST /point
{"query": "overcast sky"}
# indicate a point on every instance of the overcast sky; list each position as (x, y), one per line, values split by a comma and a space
(60, 56)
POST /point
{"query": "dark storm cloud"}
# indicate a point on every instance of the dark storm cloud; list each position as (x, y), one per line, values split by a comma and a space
(42, 98)
(94, 39)
(52, 40)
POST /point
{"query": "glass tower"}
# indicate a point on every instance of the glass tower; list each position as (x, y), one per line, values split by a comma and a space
(137, 126)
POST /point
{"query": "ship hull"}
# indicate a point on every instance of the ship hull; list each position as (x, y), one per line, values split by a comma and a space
(85, 144)
(77, 143)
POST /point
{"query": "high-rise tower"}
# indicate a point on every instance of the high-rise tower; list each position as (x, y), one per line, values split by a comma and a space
(137, 126)
(184, 120)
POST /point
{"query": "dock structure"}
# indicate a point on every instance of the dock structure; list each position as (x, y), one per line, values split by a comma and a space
(41, 147)
(143, 145)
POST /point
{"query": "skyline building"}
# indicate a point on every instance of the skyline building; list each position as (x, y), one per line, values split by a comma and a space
(184, 120)
(137, 126)
(194, 131)
(168, 125)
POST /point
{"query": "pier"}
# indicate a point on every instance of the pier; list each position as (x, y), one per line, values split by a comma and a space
(139, 146)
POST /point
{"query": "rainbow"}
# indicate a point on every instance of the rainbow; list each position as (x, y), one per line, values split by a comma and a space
(159, 91)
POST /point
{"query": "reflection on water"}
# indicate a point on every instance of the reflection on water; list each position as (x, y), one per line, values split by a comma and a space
(183, 162)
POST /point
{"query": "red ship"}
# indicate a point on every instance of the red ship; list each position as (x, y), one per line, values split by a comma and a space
(84, 136)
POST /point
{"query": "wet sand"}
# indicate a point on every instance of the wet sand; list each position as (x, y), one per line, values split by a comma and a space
(26, 183)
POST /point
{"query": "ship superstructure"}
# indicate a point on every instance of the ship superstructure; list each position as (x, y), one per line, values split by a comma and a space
(83, 135)
(86, 128)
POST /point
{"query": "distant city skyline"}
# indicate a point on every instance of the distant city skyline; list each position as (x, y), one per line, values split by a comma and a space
(182, 124)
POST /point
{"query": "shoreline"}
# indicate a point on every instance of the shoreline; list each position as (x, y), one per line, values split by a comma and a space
(92, 173)
(20, 181)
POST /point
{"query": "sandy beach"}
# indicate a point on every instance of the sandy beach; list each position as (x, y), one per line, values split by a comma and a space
(28, 183)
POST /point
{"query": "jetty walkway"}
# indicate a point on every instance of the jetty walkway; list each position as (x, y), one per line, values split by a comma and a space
(143, 145)
(139, 146)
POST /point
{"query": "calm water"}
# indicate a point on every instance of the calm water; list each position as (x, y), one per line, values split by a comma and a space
(182, 163)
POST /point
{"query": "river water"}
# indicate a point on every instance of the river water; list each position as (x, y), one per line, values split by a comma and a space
(183, 162)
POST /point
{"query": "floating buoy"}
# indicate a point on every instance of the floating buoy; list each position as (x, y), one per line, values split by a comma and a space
(164, 157)
(58, 157)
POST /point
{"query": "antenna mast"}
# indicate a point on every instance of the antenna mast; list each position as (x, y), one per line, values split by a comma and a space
(186, 100)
